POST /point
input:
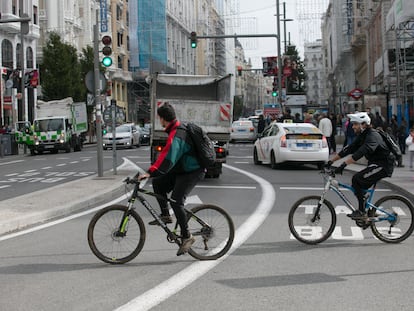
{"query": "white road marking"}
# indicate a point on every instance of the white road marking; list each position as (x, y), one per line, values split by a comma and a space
(62, 164)
(226, 187)
(238, 162)
(46, 167)
(177, 282)
(11, 162)
(5, 186)
(321, 189)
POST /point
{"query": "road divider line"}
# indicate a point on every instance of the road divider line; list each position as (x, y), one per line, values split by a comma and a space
(11, 162)
(177, 282)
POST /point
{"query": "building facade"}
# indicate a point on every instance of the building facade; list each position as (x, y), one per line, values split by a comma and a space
(16, 106)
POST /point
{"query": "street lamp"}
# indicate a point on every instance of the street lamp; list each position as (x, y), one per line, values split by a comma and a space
(284, 20)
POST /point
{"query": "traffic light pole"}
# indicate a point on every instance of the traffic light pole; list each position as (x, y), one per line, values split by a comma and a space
(98, 105)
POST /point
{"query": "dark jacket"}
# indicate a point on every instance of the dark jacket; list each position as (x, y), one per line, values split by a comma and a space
(371, 145)
(178, 154)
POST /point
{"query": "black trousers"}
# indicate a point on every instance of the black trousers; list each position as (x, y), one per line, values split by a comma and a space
(180, 185)
(365, 179)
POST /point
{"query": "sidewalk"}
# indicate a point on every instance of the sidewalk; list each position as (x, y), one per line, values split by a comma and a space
(40, 206)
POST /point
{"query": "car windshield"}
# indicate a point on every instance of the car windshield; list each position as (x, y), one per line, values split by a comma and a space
(48, 125)
(300, 130)
(123, 129)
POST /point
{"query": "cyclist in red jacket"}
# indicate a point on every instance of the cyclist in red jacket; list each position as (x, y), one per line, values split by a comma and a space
(176, 170)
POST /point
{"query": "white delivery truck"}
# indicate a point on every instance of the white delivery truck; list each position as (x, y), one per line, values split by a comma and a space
(203, 100)
(59, 125)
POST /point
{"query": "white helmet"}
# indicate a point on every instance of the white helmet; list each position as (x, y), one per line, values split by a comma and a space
(360, 117)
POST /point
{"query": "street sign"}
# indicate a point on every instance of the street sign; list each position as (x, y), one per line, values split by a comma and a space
(89, 82)
(356, 93)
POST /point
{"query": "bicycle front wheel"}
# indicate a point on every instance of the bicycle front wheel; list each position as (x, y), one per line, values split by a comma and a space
(311, 225)
(397, 228)
(114, 238)
(213, 230)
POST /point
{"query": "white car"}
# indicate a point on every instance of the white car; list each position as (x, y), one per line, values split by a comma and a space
(291, 143)
(126, 135)
(243, 130)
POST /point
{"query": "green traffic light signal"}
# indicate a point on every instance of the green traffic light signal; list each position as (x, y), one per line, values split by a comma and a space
(107, 61)
(193, 39)
(107, 51)
(274, 93)
(104, 131)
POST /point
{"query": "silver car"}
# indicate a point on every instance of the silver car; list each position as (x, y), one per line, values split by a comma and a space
(243, 130)
(126, 135)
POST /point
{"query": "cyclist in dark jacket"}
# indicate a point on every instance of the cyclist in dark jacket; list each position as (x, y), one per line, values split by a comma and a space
(176, 169)
(370, 144)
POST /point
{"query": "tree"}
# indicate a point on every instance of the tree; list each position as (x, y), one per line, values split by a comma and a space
(296, 80)
(60, 71)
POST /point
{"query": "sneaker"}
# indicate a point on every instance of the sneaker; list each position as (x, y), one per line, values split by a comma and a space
(357, 214)
(185, 245)
(165, 219)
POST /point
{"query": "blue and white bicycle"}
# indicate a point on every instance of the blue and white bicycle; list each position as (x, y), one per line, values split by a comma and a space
(312, 219)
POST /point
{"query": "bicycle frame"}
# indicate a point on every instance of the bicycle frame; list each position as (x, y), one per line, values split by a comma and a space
(334, 185)
(171, 234)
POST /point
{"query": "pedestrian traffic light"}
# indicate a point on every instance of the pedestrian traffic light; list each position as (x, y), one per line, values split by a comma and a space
(193, 38)
(107, 51)
(274, 92)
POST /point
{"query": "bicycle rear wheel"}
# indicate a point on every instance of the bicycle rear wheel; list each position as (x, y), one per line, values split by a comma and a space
(213, 230)
(106, 240)
(389, 230)
(308, 227)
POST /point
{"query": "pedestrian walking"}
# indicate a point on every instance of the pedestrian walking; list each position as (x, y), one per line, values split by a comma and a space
(410, 144)
(402, 129)
(325, 126)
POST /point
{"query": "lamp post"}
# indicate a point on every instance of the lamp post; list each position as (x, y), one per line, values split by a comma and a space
(284, 20)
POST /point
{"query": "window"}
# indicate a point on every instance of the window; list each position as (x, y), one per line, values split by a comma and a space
(29, 57)
(18, 55)
(35, 15)
(7, 54)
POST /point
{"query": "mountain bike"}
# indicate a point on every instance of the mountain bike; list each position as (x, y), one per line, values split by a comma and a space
(312, 219)
(116, 234)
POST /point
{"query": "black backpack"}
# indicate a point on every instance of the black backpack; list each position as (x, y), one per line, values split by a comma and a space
(204, 147)
(391, 143)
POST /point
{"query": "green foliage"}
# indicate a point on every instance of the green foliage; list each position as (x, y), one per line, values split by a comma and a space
(61, 71)
(293, 54)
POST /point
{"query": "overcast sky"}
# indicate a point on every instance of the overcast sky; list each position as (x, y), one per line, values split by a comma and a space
(265, 13)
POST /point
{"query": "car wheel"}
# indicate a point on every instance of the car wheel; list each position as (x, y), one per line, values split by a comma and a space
(273, 163)
(256, 158)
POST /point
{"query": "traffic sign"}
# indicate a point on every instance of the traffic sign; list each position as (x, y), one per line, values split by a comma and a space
(356, 93)
(89, 82)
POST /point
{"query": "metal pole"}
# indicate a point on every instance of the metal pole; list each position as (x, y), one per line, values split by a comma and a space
(113, 115)
(284, 27)
(98, 107)
(279, 56)
(22, 89)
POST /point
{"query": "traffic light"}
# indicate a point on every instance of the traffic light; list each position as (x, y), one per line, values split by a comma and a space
(274, 92)
(239, 70)
(107, 51)
(193, 38)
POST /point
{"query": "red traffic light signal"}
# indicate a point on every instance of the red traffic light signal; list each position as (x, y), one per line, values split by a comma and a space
(239, 70)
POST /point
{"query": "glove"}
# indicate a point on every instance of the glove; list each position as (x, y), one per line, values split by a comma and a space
(340, 169)
(329, 164)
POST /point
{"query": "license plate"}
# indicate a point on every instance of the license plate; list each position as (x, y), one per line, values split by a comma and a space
(241, 130)
(304, 145)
